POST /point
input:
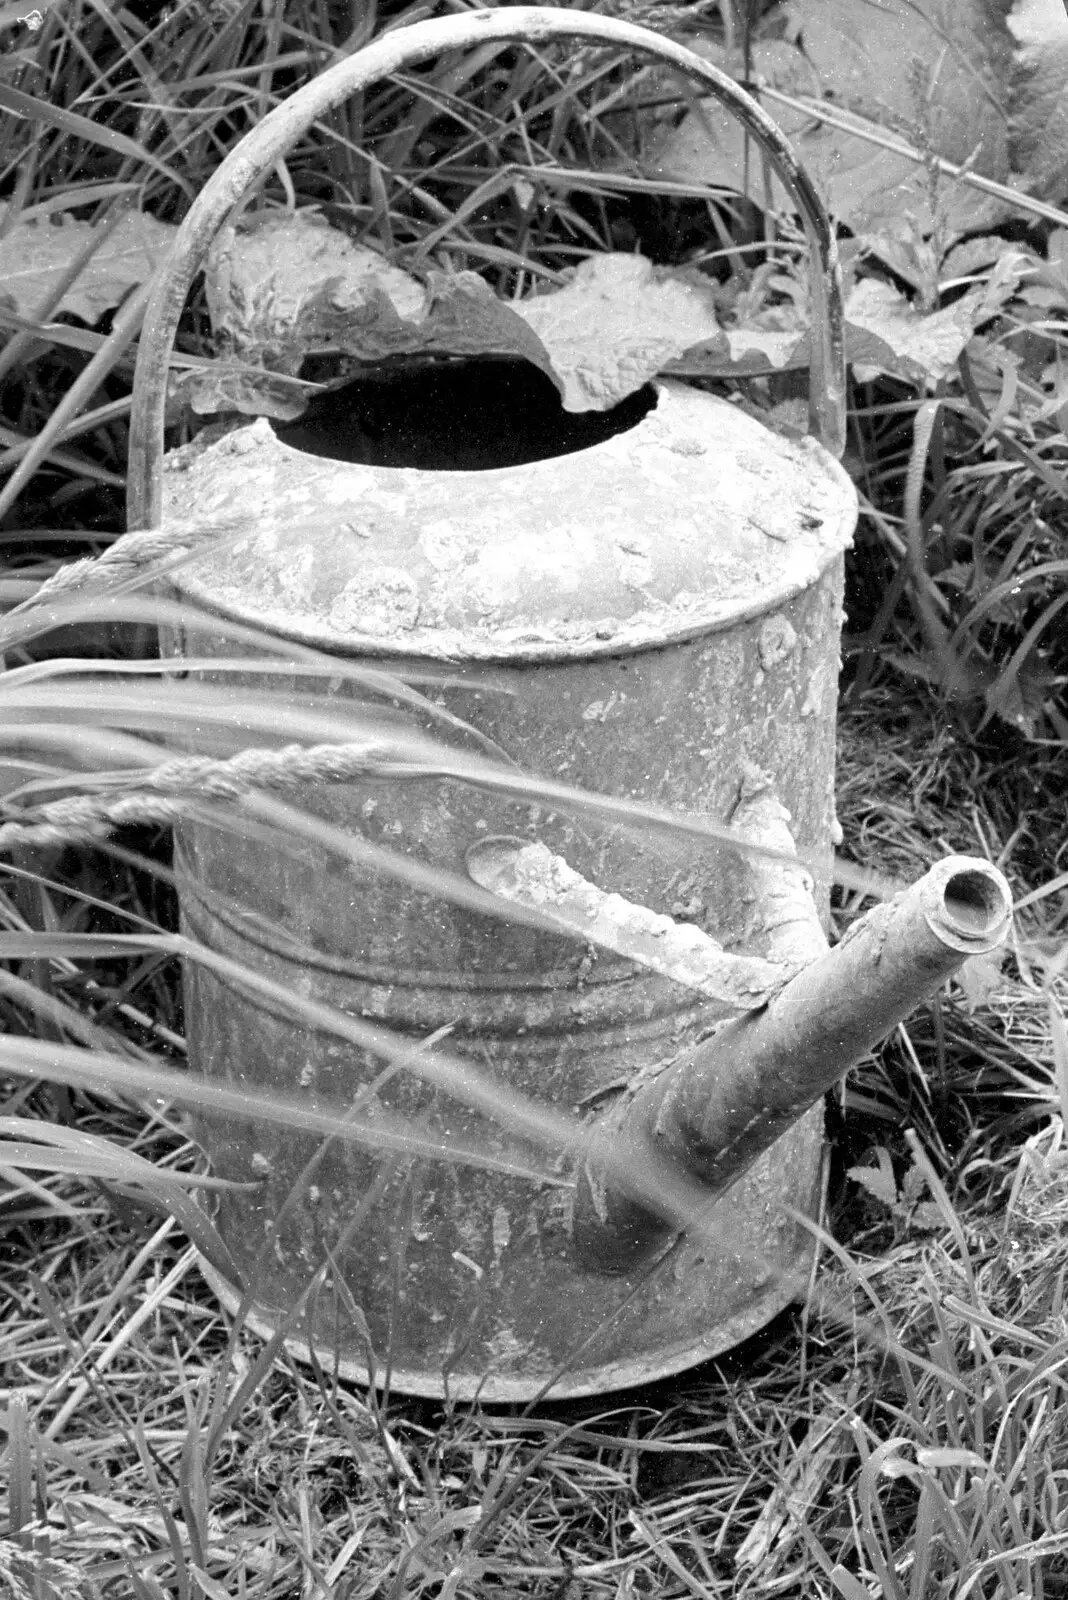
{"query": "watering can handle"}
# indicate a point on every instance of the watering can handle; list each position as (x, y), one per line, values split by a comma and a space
(393, 52)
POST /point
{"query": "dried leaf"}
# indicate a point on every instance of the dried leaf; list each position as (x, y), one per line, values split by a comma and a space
(293, 286)
(879, 1180)
(261, 284)
(944, 1457)
(920, 347)
(884, 331)
(36, 253)
(616, 324)
(745, 352)
(816, 1455)
(980, 979)
(850, 1588)
(238, 386)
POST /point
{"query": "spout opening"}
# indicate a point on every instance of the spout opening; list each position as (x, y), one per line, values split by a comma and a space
(975, 904)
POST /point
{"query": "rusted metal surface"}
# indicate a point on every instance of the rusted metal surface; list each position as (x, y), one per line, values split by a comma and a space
(726, 1101)
(664, 609)
(695, 519)
(467, 1273)
(530, 875)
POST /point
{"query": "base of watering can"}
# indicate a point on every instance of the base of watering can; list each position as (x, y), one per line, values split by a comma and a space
(605, 1378)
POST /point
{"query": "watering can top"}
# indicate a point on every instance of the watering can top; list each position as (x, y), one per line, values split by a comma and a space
(693, 520)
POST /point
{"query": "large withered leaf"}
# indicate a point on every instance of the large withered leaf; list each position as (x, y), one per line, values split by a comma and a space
(293, 286)
(618, 323)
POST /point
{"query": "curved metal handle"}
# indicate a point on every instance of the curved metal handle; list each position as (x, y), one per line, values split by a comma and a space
(261, 149)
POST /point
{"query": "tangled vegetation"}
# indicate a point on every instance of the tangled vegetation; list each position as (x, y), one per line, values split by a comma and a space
(902, 1434)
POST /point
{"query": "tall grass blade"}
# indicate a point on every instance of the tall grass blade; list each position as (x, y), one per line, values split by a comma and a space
(1059, 1036)
(20, 1487)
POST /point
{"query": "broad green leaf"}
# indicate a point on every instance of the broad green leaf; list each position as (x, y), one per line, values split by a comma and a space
(930, 73)
(36, 254)
(934, 71)
(1039, 123)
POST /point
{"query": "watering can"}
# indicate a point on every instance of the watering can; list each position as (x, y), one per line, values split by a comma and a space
(652, 611)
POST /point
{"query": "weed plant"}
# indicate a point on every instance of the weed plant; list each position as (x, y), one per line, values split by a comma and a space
(903, 1435)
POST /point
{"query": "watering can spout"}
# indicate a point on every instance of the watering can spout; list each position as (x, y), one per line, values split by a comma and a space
(680, 1133)
(704, 1119)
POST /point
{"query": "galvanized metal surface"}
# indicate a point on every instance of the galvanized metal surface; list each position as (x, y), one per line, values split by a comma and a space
(466, 1278)
(694, 519)
(728, 1099)
(666, 646)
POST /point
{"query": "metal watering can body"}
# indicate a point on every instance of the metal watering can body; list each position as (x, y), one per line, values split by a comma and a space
(640, 618)
(655, 616)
